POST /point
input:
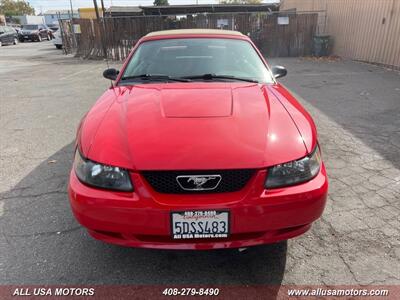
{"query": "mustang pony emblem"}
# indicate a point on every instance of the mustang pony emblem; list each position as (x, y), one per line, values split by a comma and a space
(198, 182)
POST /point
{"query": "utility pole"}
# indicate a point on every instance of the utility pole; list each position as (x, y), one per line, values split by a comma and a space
(102, 31)
(96, 8)
(72, 11)
(103, 8)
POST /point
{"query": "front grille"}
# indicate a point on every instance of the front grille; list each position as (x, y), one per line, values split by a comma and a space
(165, 181)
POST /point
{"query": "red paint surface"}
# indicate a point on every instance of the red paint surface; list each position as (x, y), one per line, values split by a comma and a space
(197, 126)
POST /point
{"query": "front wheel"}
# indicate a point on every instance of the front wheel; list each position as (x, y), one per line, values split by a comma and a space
(48, 37)
(15, 41)
(58, 46)
(39, 38)
(1, 44)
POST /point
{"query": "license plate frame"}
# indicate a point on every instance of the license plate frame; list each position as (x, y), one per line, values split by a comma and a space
(220, 216)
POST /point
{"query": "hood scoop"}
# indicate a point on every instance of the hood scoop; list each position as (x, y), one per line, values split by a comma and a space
(196, 103)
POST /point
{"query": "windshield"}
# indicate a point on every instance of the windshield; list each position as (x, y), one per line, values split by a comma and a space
(30, 27)
(198, 56)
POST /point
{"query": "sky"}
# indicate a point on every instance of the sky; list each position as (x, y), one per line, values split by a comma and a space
(43, 5)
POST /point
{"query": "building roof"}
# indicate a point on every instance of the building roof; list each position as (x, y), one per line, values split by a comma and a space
(193, 31)
(208, 8)
(124, 9)
(276, 4)
(191, 9)
(61, 11)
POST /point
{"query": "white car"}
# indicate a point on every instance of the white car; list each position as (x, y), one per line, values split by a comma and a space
(57, 41)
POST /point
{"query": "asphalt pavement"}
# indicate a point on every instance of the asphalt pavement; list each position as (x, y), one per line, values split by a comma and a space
(43, 95)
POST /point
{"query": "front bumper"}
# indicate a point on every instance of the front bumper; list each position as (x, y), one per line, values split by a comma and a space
(142, 218)
(29, 37)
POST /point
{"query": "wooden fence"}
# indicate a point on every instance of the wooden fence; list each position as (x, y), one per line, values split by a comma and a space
(115, 37)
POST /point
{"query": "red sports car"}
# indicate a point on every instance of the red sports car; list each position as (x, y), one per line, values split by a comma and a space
(197, 146)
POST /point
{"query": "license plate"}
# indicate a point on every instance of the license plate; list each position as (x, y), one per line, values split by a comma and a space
(200, 224)
(26, 36)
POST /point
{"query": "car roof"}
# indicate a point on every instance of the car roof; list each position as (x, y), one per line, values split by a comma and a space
(194, 32)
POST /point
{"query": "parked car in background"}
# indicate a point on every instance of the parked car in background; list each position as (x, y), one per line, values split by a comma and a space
(57, 41)
(8, 36)
(34, 32)
(17, 27)
(52, 29)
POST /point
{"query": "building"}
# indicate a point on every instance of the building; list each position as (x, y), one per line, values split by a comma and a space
(124, 11)
(367, 30)
(89, 13)
(209, 8)
(23, 20)
(51, 16)
(169, 10)
(2, 20)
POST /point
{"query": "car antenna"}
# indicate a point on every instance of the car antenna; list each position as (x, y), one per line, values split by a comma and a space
(108, 66)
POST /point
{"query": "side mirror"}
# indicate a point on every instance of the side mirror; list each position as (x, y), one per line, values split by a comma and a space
(279, 71)
(111, 74)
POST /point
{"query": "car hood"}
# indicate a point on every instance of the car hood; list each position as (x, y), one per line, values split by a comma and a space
(189, 126)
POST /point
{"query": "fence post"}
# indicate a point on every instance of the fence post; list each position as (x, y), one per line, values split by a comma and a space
(61, 25)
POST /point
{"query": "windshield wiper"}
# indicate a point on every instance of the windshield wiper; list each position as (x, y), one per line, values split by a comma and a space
(214, 76)
(155, 77)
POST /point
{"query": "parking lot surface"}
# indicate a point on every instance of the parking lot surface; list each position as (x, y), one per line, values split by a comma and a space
(43, 95)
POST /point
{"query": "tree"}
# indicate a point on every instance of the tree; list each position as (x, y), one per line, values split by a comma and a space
(160, 3)
(16, 8)
(240, 1)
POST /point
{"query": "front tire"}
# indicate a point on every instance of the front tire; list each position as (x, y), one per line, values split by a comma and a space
(59, 46)
(15, 41)
(48, 37)
(1, 44)
(39, 38)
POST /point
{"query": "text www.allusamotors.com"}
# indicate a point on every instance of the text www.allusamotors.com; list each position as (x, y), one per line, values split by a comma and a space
(337, 292)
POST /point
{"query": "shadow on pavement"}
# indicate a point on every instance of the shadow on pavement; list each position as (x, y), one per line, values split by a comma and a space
(363, 99)
(45, 245)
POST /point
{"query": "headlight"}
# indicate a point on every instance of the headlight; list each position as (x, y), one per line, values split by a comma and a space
(102, 176)
(294, 172)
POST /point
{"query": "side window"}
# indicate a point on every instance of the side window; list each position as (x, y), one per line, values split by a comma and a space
(2, 29)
